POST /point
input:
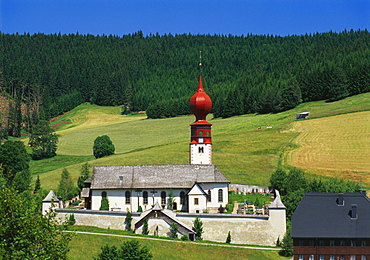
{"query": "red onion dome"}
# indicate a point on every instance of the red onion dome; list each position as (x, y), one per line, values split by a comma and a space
(200, 102)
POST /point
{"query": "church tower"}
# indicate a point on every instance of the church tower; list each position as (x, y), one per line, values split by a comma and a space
(201, 138)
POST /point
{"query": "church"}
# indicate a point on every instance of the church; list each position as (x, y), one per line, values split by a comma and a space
(168, 194)
(194, 188)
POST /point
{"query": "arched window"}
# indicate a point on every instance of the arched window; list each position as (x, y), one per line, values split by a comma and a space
(209, 195)
(182, 198)
(208, 133)
(163, 197)
(200, 133)
(220, 195)
(104, 194)
(128, 197)
(145, 197)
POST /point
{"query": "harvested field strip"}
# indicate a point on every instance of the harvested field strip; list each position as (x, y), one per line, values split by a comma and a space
(337, 146)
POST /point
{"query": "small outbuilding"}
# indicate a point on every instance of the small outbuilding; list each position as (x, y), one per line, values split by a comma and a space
(302, 115)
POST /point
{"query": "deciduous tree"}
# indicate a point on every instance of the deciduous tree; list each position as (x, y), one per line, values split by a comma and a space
(103, 146)
(26, 233)
(14, 163)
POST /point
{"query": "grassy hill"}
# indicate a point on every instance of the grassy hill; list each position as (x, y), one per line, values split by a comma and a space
(86, 246)
(244, 153)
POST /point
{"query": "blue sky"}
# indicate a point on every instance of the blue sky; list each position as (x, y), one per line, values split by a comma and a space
(236, 17)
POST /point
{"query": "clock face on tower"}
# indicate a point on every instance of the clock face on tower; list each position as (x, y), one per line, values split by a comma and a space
(200, 140)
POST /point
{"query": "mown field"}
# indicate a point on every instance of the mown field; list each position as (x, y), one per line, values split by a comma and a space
(244, 153)
(87, 246)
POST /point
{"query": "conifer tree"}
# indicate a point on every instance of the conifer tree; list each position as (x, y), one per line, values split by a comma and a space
(65, 188)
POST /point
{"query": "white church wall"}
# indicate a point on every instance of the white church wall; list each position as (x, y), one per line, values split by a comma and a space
(215, 187)
(117, 199)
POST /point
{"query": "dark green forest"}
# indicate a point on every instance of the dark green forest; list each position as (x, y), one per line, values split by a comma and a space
(44, 76)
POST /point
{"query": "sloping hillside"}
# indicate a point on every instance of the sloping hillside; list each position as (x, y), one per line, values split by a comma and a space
(243, 148)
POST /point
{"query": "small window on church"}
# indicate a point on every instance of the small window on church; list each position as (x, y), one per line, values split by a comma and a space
(128, 197)
(163, 197)
(182, 198)
(220, 195)
(196, 201)
(201, 149)
(145, 198)
(209, 196)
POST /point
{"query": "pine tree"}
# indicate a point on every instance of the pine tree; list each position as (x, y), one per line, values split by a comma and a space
(228, 239)
(198, 228)
(85, 174)
(145, 227)
(37, 184)
(65, 188)
(128, 220)
(104, 205)
(43, 141)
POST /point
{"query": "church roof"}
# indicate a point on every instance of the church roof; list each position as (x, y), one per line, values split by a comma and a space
(50, 197)
(155, 176)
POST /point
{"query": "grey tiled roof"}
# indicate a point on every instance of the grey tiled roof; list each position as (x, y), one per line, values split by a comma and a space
(155, 176)
(319, 215)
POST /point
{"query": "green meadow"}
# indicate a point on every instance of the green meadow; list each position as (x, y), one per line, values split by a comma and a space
(87, 246)
(242, 151)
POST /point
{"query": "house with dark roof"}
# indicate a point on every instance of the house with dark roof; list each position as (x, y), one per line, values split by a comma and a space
(332, 226)
(192, 187)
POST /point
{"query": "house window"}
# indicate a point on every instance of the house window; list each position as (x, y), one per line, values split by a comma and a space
(363, 257)
(311, 257)
(163, 197)
(209, 196)
(128, 197)
(201, 149)
(332, 243)
(331, 257)
(342, 243)
(220, 195)
(104, 194)
(322, 257)
(321, 243)
(311, 243)
(353, 257)
(145, 198)
(363, 243)
(300, 257)
(182, 198)
(353, 243)
(342, 257)
(300, 242)
(196, 201)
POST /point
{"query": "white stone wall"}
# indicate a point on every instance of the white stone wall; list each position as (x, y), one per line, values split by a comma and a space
(244, 229)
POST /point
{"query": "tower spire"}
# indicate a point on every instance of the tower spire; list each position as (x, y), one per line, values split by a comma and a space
(200, 63)
(201, 138)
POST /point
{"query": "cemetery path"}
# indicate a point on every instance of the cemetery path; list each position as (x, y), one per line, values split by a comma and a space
(178, 241)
